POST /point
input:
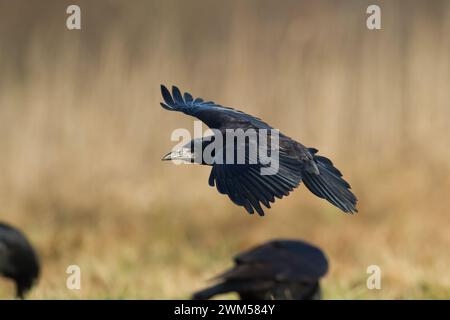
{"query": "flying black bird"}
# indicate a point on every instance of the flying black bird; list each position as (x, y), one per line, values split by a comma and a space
(18, 260)
(243, 182)
(277, 270)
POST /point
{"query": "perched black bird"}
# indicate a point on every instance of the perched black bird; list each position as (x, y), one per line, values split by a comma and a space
(277, 270)
(243, 183)
(18, 260)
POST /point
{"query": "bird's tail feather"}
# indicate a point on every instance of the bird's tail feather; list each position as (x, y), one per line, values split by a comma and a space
(232, 286)
(212, 291)
(330, 185)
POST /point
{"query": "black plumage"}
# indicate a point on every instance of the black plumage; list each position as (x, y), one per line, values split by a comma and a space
(18, 259)
(279, 270)
(243, 183)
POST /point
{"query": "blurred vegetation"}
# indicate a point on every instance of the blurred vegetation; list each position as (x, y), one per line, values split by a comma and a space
(82, 134)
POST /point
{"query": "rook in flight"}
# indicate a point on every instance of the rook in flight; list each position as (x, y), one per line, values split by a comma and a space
(243, 182)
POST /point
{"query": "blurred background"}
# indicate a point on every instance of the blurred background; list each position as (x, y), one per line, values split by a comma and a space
(82, 135)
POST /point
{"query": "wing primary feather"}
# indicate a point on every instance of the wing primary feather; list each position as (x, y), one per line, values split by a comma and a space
(187, 97)
(266, 197)
(251, 196)
(167, 96)
(177, 96)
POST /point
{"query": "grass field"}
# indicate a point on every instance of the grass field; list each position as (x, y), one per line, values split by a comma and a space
(82, 135)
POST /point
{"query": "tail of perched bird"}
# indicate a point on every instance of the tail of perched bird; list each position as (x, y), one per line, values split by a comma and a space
(328, 184)
(211, 291)
(253, 289)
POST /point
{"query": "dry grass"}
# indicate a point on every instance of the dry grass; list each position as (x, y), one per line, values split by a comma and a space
(81, 135)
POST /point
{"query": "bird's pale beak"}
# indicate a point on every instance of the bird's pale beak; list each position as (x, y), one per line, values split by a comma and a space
(167, 156)
(183, 155)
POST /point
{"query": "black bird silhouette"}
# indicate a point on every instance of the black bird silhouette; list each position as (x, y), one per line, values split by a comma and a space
(278, 270)
(18, 260)
(243, 183)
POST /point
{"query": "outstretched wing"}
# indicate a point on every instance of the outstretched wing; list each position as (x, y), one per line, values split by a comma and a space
(247, 187)
(213, 115)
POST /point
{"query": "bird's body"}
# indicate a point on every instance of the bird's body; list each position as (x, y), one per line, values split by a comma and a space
(18, 260)
(279, 269)
(243, 182)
